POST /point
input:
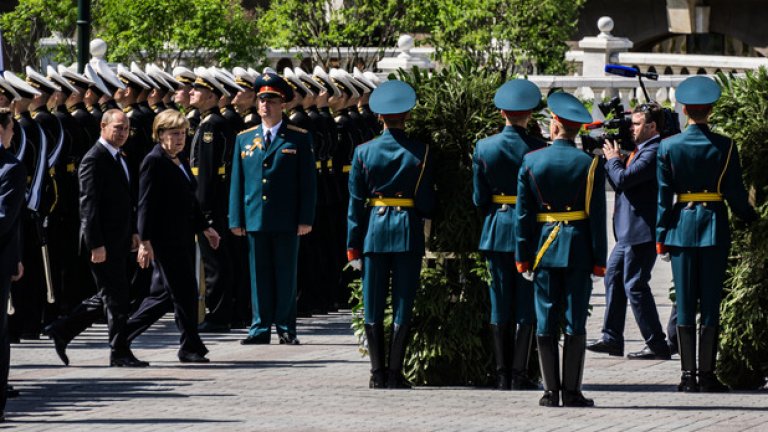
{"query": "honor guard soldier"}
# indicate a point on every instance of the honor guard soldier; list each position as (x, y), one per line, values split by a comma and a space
(111, 82)
(496, 162)
(142, 97)
(226, 108)
(140, 139)
(272, 201)
(560, 240)
(95, 93)
(64, 222)
(12, 189)
(698, 171)
(170, 84)
(366, 133)
(31, 147)
(390, 194)
(368, 117)
(210, 147)
(89, 127)
(245, 100)
(186, 77)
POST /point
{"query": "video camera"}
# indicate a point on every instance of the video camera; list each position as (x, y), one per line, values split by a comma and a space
(618, 126)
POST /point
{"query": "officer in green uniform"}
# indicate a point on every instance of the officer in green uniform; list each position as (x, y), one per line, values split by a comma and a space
(272, 201)
(561, 240)
(702, 169)
(390, 194)
(496, 162)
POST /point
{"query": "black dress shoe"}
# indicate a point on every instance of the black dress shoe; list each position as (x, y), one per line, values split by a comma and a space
(191, 357)
(126, 359)
(288, 339)
(550, 399)
(59, 344)
(211, 327)
(576, 399)
(11, 392)
(601, 346)
(522, 382)
(262, 339)
(708, 383)
(648, 354)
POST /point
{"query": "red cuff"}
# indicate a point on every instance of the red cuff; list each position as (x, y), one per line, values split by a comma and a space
(661, 249)
(353, 254)
(522, 267)
(598, 271)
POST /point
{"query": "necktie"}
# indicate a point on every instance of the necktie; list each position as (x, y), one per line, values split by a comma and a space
(119, 159)
(631, 156)
(267, 139)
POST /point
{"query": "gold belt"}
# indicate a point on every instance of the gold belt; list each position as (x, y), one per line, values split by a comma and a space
(346, 168)
(504, 199)
(699, 197)
(319, 164)
(196, 171)
(390, 202)
(71, 167)
(568, 216)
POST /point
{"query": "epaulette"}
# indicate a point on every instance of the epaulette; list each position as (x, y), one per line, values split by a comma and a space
(296, 129)
(248, 130)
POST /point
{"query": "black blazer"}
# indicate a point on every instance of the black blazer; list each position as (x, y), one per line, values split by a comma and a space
(13, 182)
(169, 213)
(107, 211)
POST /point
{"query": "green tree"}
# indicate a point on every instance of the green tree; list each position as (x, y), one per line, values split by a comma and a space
(205, 31)
(34, 19)
(511, 36)
(315, 24)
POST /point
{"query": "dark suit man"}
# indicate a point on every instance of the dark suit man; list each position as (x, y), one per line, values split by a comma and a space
(698, 171)
(12, 189)
(107, 225)
(632, 259)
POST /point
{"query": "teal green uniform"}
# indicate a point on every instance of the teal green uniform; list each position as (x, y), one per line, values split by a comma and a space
(273, 191)
(391, 239)
(496, 162)
(697, 233)
(554, 179)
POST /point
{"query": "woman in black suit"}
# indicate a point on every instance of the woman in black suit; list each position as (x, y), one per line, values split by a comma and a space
(169, 216)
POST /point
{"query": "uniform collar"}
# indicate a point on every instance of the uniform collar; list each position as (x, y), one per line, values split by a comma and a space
(563, 143)
(273, 130)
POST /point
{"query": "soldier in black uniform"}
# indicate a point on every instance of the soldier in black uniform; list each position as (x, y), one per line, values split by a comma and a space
(111, 82)
(245, 100)
(31, 148)
(210, 159)
(181, 98)
(94, 94)
(226, 108)
(65, 221)
(170, 84)
(368, 117)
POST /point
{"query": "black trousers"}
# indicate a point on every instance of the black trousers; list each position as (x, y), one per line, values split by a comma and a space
(173, 285)
(5, 346)
(112, 299)
(218, 264)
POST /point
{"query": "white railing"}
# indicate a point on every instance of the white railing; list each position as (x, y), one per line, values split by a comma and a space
(677, 64)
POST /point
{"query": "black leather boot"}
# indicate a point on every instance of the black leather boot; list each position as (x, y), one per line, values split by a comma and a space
(708, 381)
(500, 344)
(395, 379)
(549, 362)
(686, 343)
(522, 351)
(574, 348)
(375, 335)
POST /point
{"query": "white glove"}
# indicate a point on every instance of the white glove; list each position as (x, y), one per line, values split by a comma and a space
(596, 278)
(665, 257)
(528, 275)
(356, 264)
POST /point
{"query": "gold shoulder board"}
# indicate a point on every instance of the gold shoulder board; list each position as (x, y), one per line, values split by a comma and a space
(248, 130)
(296, 128)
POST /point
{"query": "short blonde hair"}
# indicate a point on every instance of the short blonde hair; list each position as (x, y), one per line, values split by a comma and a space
(166, 120)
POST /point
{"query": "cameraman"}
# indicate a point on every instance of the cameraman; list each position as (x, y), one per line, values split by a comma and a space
(634, 223)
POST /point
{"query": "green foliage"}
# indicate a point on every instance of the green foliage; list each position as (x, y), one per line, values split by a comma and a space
(316, 25)
(33, 19)
(512, 36)
(741, 114)
(205, 30)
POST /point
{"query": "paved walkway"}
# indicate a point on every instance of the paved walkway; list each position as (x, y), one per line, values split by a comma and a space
(322, 386)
